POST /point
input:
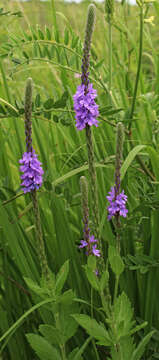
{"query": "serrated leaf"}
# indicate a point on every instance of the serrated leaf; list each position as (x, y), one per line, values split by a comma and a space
(129, 159)
(62, 277)
(104, 280)
(94, 329)
(66, 298)
(123, 315)
(115, 260)
(92, 278)
(35, 287)
(43, 349)
(51, 334)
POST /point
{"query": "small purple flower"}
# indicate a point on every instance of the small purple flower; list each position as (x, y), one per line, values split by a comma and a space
(95, 251)
(32, 172)
(91, 249)
(85, 107)
(116, 204)
(83, 244)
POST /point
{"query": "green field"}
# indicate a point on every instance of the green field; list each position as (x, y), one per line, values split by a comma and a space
(78, 315)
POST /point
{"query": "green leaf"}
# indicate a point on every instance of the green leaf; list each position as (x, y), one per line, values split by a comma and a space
(66, 36)
(62, 102)
(130, 159)
(41, 291)
(48, 33)
(55, 118)
(51, 334)
(37, 100)
(49, 103)
(25, 55)
(123, 315)
(41, 35)
(94, 329)
(99, 64)
(16, 61)
(92, 277)
(92, 263)
(138, 352)
(43, 349)
(154, 156)
(61, 277)
(11, 111)
(104, 280)
(115, 260)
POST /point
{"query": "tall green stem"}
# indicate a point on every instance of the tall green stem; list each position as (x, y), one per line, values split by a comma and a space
(110, 54)
(138, 69)
(39, 237)
(93, 182)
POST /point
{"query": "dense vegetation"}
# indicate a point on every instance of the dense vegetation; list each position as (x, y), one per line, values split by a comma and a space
(41, 320)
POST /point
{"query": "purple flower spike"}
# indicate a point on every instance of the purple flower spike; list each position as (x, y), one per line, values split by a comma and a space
(32, 172)
(85, 107)
(91, 249)
(117, 205)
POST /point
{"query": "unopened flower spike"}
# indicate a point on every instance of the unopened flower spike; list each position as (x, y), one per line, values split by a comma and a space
(30, 165)
(32, 177)
(85, 106)
(117, 200)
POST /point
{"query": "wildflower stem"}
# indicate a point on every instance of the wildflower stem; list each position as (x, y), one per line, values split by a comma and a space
(85, 209)
(116, 288)
(93, 183)
(39, 237)
(138, 69)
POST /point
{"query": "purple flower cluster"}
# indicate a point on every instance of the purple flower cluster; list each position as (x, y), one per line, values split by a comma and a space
(91, 249)
(116, 204)
(85, 107)
(32, 177)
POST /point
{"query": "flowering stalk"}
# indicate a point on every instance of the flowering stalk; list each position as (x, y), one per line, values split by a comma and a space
(117, 199)
(89, 241)
(32, 176)
(87, 112)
